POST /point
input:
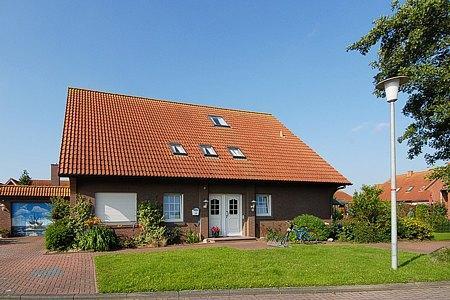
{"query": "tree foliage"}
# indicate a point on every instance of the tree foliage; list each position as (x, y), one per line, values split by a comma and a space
(415, 41)
(442, 173)
(25, 178)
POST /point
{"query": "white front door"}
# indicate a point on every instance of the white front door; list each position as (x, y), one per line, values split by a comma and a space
(225, 212)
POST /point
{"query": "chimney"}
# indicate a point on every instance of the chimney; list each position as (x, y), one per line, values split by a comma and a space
(54, 173)
(409, 174)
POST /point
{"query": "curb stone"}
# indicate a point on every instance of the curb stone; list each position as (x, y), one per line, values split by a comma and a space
(235, 292)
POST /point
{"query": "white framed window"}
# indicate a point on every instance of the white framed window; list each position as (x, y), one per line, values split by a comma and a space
(177, 149)
(116, 207)
(219, 121)
(263, 205)
(208, 150)
(173, 207)
(236, 152)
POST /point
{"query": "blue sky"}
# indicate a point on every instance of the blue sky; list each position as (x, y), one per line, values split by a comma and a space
(287, 58)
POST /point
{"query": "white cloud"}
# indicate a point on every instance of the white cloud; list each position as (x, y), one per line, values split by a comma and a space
(21, 211)
(381, 126)
(359, 127)
(38, 209)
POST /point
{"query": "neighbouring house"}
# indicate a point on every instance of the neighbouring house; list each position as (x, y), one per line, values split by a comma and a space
(415, 188)
(342, 197)
(242, 171)
(341, 200)
(25, 209)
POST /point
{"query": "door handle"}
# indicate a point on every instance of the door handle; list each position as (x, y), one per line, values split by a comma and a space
(226, 214)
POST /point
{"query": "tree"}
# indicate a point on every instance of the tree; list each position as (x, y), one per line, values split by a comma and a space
(442, 173)
(415, 41)
(25, 178)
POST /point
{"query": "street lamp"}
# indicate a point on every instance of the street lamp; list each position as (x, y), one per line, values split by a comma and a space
(391, 86)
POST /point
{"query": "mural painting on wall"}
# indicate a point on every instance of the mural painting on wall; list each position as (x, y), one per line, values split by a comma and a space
(30, 219)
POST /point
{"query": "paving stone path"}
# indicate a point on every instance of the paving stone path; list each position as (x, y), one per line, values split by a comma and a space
(26, 269)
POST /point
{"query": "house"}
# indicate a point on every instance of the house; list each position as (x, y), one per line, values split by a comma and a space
(25, 209)
(242, 171)
(415, 188)
(342, 198)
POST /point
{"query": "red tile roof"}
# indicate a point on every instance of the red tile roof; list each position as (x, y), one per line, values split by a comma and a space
(47, 182)
(119, 135)
(420, 192)
(34, 191)
(343, 196)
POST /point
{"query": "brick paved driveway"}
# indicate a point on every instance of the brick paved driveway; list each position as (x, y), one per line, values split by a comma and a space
(25, 269)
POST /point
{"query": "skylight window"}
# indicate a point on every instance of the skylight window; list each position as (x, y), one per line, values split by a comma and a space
(208, 150)
(219, 121)
(177, 149)
(236, 152)
(409, 189)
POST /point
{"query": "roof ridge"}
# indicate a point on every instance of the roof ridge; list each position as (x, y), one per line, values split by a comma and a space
(171, 101)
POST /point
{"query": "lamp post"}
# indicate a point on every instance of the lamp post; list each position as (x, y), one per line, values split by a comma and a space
(391, 86)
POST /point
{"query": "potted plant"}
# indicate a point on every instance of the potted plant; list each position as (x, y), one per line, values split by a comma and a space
(215, 231)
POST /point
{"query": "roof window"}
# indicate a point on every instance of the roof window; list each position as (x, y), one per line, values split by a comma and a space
(219, 121)
(236, 152)
(409, 189)
(177, 149)
(208, 150)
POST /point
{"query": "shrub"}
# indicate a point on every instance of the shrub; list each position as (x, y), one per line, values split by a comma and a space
(4, 232)
(369, 217)
(413, 229)
(371, 232)
(422, 212)
(434, 215)
(59, 236)
(149, 215)
(150, 220)
(60, 208)
(316, 226)
(337, 215)
(335, 229)
(347, 232)
(80, 213)
(192, 237)
(274, 235)
(98, 238)
(405, 210)
(173, 235)
(128, 242)
(440, 224)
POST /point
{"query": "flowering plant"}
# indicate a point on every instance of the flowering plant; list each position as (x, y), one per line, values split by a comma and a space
(92, 221)
(215, 230)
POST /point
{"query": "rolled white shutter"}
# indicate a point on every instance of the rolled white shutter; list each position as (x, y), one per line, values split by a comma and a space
(116, 207)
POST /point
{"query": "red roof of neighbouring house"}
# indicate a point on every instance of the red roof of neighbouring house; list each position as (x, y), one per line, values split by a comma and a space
(342, 196)
(47, 182)
(118, 135)
(411, 187)
(34, 191)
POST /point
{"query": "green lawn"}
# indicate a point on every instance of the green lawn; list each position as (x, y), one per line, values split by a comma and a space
(441, 236)
(224, 268)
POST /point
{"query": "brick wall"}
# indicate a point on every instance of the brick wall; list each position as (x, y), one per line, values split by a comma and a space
(288, 200)
(5, 216)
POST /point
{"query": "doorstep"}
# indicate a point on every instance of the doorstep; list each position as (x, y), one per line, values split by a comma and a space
(230, 239)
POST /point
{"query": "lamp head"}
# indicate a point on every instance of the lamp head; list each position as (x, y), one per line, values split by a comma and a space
(391, 86)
